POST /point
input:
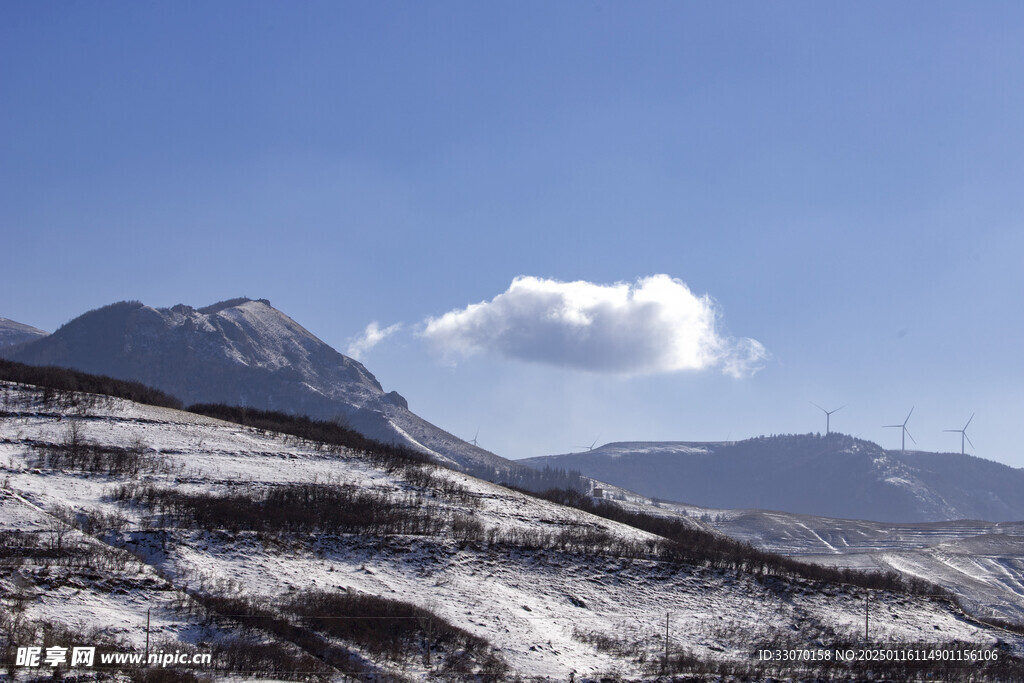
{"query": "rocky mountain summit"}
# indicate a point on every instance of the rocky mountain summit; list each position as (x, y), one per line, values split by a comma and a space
(242, 352)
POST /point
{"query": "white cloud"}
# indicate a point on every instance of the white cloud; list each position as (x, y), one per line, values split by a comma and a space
(370, 337)
(656, 325)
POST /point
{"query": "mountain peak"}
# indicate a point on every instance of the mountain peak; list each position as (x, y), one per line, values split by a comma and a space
(243, 352)
(12, 332)
(232, 303)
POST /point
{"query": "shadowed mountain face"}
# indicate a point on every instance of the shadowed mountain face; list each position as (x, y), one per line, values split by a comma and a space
(12, 333)
(832, 476)
(241, 352)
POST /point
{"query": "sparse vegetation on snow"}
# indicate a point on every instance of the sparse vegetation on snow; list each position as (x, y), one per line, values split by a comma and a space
(294, 559)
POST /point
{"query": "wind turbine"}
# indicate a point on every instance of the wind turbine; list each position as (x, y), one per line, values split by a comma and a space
(906, 432)
(828, 415)
(963, 435)
(473, 440)
(591, 446)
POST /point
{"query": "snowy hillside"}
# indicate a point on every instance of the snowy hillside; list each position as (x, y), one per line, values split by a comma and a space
(111, 509)
(830, 476)
(981, 562)
(243, 352)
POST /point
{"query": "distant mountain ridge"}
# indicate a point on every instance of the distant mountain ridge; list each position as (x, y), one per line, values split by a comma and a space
(831, 476)
(242, 352)
(12, 333)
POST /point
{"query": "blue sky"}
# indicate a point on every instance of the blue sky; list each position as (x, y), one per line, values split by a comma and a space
(839, 182)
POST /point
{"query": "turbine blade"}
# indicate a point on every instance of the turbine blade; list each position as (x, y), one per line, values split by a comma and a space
(909, 434)
(953, 430)
(969, 441)
(968, 422)
(909, 414)
(818, 407)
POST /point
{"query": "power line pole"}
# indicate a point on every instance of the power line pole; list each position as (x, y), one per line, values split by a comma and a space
(666, 641)
(867, 609)
(429, 623)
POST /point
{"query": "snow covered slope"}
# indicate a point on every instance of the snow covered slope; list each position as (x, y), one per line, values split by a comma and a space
(830, 476)
(243, 352)
(552, 590)
(981, 562)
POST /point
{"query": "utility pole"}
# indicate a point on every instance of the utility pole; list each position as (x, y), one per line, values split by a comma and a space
(429, 622)
(867, 608)
(666, 641)
(147, 635)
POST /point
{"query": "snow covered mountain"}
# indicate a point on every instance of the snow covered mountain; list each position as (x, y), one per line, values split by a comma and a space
(831, 476)
(123, 525)
(12, 333)
(242, 352)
